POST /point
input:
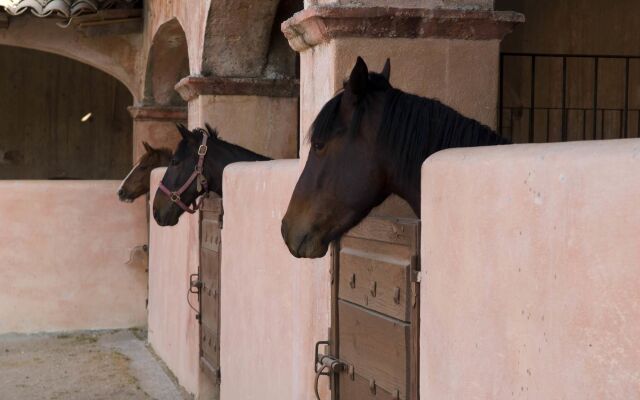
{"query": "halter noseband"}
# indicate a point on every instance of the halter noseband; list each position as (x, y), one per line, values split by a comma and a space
(197, 174)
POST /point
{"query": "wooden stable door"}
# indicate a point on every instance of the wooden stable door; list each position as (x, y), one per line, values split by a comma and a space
(375, 310)
(209, 286)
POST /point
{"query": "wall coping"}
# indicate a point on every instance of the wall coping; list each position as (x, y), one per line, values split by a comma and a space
(191, 87)
(158, 113)
(320, 24)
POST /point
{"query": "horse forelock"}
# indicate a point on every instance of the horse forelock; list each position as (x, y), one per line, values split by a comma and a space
(323, 127)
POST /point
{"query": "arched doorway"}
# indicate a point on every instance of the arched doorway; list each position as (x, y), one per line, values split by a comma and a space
(168, 62)
(61, 119)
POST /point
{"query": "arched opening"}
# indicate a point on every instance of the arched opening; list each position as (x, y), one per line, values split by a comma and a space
(261, 51)
(282, 61)
(61, 119)
(168, 63)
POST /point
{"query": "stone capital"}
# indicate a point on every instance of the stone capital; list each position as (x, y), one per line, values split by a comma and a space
(194, 86)
(320, 24)
(158, 113)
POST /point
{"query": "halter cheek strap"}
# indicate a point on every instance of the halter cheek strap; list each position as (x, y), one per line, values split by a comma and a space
(197, 174)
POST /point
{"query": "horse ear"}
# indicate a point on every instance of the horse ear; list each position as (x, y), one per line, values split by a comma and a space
(212, 132)
(386, 70)
(359, 77)
(184, 132)
(148, 147)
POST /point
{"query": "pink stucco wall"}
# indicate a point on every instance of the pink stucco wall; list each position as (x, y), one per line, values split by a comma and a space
(66, 257)
(531, 260)
(173, 328)
(274, 306)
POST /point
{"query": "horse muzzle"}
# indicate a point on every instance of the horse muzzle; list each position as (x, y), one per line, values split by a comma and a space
(303, 243)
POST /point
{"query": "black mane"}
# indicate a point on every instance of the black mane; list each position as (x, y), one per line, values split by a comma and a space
(412, 127)
(229, 152)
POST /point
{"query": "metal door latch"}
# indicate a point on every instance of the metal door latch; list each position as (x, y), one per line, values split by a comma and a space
(195, 287)
(326, 365)
(195, 284)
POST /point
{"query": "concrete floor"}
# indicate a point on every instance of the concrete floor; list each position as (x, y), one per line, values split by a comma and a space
(110, 365)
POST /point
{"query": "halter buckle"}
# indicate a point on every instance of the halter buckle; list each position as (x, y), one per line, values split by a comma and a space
(202, 150)
(175, 197)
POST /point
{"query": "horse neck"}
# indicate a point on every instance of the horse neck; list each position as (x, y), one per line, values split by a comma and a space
(219, 155)
(409, 190)
(442, 128)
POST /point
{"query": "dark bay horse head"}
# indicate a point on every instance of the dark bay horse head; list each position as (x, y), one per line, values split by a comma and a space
(136, 183)
(218, 155)
(368, 142)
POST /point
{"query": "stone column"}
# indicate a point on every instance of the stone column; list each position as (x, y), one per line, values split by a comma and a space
(157, 126)
(257, 113)
(445, 49)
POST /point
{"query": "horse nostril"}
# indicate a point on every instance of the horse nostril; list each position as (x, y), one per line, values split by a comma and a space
(121, 192)
(156, 215)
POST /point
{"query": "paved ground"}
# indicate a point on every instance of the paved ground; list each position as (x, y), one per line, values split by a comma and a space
(83, 366)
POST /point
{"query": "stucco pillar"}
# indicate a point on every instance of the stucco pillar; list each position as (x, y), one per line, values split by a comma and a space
(256, 113)
(441, 49)
(157, 126)
(445, 49)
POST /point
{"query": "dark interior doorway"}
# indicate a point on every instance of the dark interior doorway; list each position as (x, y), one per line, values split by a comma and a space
(61, 119)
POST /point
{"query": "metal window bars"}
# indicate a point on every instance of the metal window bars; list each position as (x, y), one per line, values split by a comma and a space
(523, 118)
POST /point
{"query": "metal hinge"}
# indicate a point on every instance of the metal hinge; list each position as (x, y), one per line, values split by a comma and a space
(416, 275)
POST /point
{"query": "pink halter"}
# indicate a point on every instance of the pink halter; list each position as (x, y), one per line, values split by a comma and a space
(197, 174)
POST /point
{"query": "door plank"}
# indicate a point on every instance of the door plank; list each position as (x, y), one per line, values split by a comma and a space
(376, 281)
(377, 346)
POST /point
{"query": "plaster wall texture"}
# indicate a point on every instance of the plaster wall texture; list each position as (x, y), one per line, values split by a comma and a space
(266, 125)
(530, 263)
(173, 328)
(455, 4)
(67, 266)
(274, 306)
(158, 133)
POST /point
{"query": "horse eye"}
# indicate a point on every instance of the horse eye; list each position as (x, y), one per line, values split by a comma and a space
(318, 146)
(174, 161)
